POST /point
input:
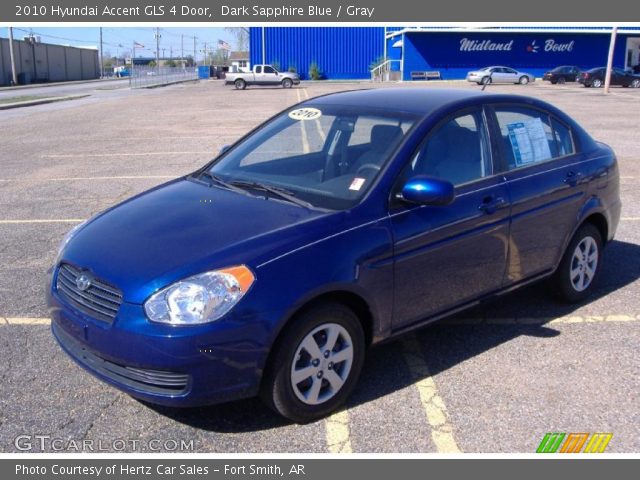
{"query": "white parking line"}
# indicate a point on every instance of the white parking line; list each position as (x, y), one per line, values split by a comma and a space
(42, 220)
(122, 154)
(72, 179)
(303, 128)
(24, 321)
(630, 219)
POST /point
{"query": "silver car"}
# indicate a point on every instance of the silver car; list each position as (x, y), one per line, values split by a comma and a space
(499, 74)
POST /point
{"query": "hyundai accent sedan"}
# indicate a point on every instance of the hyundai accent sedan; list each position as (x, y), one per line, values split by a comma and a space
(341, 222)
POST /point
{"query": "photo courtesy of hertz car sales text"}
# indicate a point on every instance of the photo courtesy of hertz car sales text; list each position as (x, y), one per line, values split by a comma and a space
(341, 222)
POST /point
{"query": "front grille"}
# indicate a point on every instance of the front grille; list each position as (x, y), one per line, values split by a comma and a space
(100, 300)
(156, 382)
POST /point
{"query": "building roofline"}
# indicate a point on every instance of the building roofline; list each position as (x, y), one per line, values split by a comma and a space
(600, 30)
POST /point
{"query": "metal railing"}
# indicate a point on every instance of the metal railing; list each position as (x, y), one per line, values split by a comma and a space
(382, 73)
(142, 77)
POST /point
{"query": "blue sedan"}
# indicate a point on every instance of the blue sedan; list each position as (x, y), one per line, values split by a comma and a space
(341, 222)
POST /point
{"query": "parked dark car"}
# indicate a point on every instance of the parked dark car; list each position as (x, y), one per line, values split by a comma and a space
(596, 76)
(563, 74)
(339, 223)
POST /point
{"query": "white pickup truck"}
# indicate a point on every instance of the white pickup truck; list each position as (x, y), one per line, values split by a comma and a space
(262, 75)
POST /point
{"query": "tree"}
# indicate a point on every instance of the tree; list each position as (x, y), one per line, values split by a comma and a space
(188, 60)
(241, 34)
(170, 63)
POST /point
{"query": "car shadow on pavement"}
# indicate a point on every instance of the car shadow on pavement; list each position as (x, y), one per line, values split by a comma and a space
(444, 344)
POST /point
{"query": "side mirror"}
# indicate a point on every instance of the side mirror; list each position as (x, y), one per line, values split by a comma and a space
(425, 190)
(224, 149)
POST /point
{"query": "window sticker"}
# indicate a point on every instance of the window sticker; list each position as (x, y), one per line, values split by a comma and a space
(306, 113)
(357, 184)
(529, 142)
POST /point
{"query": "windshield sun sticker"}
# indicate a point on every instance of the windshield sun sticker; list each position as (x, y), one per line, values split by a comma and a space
(357, 183)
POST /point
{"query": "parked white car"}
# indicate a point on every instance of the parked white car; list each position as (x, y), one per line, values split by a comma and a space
(499, 74)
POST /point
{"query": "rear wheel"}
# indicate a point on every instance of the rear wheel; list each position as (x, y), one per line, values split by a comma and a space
(597, 83)
(635, 83)
(523, 80)
(287, 83)
(561, 81)
(485, 81)
(240, 84)
(316, 363)
(580, 265)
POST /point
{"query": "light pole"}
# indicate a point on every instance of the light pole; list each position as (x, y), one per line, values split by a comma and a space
(14, 73)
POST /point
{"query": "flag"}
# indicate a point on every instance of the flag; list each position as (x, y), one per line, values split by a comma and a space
(222, 45)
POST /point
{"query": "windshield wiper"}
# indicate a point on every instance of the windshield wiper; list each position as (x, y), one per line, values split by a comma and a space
(276, 191)
(218, 181)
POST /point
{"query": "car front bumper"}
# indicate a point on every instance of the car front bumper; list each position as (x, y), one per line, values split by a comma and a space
(163, 364)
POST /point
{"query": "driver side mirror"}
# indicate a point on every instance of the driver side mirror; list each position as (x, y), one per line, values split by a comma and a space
(223, 149)
(424, 190)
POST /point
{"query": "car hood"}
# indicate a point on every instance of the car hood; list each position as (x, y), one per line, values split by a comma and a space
(183, 228)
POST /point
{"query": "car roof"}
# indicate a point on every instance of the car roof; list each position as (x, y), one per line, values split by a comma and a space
(422, 101)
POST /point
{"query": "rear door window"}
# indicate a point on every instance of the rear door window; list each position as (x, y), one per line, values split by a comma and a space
(529, 136)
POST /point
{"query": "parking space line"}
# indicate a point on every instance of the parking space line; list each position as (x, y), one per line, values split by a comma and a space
(337, 426)
(24, 321)
(433, 405)
(303, 129)
(71, 179)
(42, 220)
(123, 154)
(544, 320)
(323, 136)
(630, 219)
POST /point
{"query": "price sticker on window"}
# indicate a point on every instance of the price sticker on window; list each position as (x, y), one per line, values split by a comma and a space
(306, 113)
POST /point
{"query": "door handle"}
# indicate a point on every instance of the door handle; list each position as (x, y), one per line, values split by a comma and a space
(573, 178)
(491, 204)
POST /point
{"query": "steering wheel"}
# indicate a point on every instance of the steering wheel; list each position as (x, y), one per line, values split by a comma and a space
(367, 166)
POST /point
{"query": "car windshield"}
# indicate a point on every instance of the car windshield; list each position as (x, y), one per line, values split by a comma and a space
(325, 156)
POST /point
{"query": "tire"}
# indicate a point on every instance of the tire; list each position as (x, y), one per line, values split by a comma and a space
(523, 80)
(553, 82)
(635, 83)
(596, 83)
(485, 81)
(297, 402)
(575, 278)
(287, 83)
(240, 84)
(562, 81)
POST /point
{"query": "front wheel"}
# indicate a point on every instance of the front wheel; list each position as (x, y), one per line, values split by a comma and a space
(316, 363)
(580, 265)
(523, 80)
(240, 84)
(287, 83)
(635, 83)
(561, 80)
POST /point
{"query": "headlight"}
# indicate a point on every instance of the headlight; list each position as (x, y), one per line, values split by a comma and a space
(199, 299)
(67, 238)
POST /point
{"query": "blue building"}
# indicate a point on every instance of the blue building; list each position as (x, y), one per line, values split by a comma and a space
(350, 52)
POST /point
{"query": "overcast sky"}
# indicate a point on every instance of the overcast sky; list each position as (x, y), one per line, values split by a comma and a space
(112, 37)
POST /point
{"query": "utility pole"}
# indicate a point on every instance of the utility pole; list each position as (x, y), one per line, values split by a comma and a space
(194, 50)
(14, 73)
(182, 50)
(158, 48)
(204, 61)
(101, 57)
(612, 44)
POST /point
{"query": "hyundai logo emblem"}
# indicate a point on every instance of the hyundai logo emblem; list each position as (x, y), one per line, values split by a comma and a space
(83, 282)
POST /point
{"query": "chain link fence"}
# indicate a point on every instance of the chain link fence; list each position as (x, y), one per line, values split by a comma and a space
(142, 77)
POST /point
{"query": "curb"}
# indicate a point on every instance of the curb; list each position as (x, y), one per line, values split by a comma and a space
(42, 101)
(57, 84)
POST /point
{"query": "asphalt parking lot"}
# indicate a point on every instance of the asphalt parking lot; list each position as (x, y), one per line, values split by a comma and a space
(494, 379)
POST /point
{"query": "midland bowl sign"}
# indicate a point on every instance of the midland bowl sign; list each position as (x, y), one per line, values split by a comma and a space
(488, 45)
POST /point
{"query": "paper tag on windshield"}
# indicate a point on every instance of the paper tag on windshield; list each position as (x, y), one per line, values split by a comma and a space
(306, 113)
(357, 183)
